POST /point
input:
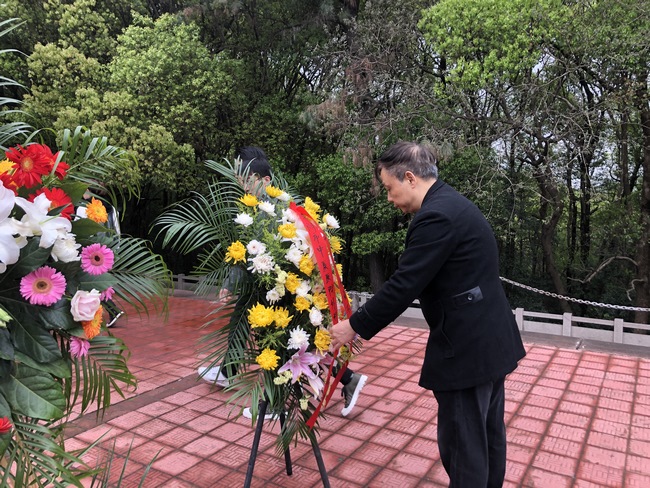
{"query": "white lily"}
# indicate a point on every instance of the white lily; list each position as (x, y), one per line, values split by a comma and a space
(37, 222)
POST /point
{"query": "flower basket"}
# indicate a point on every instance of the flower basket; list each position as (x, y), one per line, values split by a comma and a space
(58, 274)
(276, 259)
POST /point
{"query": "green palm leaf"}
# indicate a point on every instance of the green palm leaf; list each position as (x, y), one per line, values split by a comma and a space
(94, 376)
(143, 276)
(92, 160)
(35, 457)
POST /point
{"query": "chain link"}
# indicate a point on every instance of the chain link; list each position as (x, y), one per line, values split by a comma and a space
(367, 295)
(576, 300)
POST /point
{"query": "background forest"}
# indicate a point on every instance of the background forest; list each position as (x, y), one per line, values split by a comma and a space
(539, 110)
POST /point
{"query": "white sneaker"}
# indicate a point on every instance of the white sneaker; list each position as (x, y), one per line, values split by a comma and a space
(350, 392)
(213, 375)
(112, 322)
(249, 415)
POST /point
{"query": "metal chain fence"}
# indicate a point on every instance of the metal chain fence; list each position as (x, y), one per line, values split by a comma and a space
(363, 296)
(575, 300)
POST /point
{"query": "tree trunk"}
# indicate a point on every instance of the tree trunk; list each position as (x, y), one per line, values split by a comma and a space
(641, 284)
(376, 268)
(551, 203)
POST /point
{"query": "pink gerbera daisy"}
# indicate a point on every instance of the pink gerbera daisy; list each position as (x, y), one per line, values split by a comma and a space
(44, 286)
(107, 294)
(97, 259)
(79, 347)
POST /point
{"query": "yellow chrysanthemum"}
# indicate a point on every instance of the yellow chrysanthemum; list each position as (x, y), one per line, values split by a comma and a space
(273, 191)
(282, 317)
(322, 340)
(268, 359)
(320, 301)
(302, 304)
(287, 230)
(306, 265)
(312, 208)
(94, 326)
(260, 316)
(292, 283)
(236, 252)
(335, 244)
(339, 268)
(249, 200)
(96, 211)
(5, 166)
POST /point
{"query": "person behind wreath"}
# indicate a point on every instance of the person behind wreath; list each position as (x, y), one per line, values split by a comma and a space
(256, 175)
(450, 263)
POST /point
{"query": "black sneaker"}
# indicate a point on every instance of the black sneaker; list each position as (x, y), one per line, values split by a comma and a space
(351, 392)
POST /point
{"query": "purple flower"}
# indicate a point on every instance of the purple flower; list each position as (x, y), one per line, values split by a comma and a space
(300, 363)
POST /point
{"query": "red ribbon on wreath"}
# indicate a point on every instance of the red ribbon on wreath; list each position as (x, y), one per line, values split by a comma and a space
(332, 283)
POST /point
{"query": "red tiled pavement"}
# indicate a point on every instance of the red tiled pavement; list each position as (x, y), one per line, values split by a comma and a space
(576, 418)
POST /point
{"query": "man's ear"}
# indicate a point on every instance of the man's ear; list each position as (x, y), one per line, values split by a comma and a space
(410, 178)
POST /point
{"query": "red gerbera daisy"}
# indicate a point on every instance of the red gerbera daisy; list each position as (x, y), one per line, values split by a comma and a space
(30, 163)
(59, 198)
(61, 167)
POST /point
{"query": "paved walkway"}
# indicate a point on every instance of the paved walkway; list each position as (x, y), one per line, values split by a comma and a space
(576, 418)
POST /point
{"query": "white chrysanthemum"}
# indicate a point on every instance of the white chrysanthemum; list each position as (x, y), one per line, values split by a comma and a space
(267, 207)
(294, 255)
(66, 249)
(272, 295)
(262, 264)
(303, 289)
(315, 316)
(331, 221)
(243, 219)
(298, 338)
(255, 247)
(289, 215)
(284, 197)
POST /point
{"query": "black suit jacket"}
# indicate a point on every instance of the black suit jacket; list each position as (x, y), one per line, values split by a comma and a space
(451, 264)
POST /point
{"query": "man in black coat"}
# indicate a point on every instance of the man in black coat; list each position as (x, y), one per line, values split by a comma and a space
(451, 265)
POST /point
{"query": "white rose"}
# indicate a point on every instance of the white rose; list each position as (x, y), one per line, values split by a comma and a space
(84, 305)
(66, 249)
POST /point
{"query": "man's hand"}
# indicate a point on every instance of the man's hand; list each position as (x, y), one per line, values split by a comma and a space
(224, 295)
(341, 333)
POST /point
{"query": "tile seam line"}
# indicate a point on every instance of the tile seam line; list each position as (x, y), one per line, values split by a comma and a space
(90, 419)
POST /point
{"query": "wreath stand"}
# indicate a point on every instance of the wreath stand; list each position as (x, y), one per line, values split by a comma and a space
(287, 455)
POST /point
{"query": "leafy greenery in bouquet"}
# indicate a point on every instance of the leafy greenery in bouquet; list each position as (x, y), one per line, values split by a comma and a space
(58, 273)
(285, 291)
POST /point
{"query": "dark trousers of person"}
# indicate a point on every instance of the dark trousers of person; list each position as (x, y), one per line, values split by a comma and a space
(472, 435)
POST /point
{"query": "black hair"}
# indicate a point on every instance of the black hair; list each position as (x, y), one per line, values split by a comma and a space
(254, 161)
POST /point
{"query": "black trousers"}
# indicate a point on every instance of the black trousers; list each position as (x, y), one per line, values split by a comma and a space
(472, 435)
